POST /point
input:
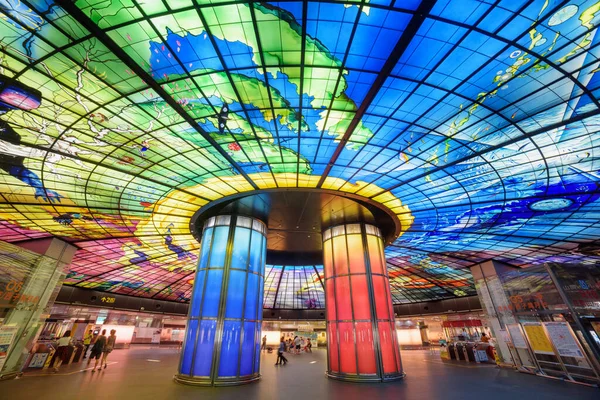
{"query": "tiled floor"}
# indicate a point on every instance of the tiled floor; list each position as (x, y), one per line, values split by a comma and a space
(146, 373)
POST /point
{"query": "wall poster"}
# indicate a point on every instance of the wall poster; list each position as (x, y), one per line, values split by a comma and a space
(563, 339)
(517, 336)
(537, 338)
(7, 334)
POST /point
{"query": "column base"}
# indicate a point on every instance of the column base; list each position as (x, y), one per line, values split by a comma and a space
(365, 378)
(200, 381)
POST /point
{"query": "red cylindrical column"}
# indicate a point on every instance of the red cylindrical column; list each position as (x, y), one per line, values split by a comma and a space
(362, 342)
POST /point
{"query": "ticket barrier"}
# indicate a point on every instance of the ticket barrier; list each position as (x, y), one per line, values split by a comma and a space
(452, 351)
(460, 351)
(469, 353)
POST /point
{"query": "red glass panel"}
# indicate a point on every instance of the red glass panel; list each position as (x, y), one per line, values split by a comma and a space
(386, 283)
(340, 257)
(375, 254)
(343, 298)
(388, 347)
(356, 253)
(330, 299)
(365, 349)
(360, 297)
(332, 347)
(347, 350)
(381, 297)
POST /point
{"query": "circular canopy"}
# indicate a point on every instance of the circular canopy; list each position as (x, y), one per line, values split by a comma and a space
(475, 123)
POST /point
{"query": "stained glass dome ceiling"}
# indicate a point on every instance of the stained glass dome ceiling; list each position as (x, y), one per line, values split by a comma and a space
(474, 121)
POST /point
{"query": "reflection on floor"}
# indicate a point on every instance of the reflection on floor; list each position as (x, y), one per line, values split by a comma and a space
(146, 373)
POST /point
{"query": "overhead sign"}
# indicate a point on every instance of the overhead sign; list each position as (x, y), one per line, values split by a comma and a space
(108, 299)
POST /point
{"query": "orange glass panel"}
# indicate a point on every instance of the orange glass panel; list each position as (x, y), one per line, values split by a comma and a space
(347, 349)
(332, 347)
(389, 350)
(375, 255)
(360, 297)
(356, 254)
(330, 299)
(327, 259)
(343, 298)
(381, 297)
(365, 349)
(340, 257)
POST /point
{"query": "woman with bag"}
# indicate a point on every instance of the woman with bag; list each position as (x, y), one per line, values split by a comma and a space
(98, 349)
(62, 350)
(280, 357)
(110, 345)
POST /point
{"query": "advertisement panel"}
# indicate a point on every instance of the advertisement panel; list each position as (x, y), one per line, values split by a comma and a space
(563, 340)
(537, 338)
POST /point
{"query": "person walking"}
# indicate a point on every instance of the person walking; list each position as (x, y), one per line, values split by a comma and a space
(110, 345)
(98, 349)
(280, 357)
(87, 341)
(264, 343)
(308, 347)
(297, 344)
(62, 350)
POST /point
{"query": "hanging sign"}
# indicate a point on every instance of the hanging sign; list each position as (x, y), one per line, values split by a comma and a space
(537, 339)
(563, 340)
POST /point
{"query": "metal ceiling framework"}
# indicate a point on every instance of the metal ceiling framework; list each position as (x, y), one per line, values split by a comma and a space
(476, 120)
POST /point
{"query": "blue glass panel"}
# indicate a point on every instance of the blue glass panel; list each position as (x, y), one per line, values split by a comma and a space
(197, 296)
(235, 294)
(263, 258)
(257, 352)
(262, 286)
(212, 294)
(251, 296)
(188, 349)
(256, 251)
(230, 349)
(206, 247)
(219, 247)
(205, 348)
(241, 242)
(248, 348)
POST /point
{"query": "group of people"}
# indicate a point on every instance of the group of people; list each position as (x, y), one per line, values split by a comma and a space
(101, 345)
(298, 344)
(293, 346)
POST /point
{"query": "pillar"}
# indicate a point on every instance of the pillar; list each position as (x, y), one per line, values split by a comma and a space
(495, 304)
(361, 337)
(31, 275)
(222, 340)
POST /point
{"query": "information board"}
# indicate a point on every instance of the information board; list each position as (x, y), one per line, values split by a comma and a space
(537, 338)
(7, 334)
(563, 340)
(38, 360)
(518, 340)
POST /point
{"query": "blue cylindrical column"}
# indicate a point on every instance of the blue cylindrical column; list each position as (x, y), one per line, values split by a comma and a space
(222, 341)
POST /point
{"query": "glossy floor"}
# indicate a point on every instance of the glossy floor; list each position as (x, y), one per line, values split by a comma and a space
(146, 373)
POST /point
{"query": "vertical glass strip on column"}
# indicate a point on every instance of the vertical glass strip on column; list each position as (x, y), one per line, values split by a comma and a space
(222, 340)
